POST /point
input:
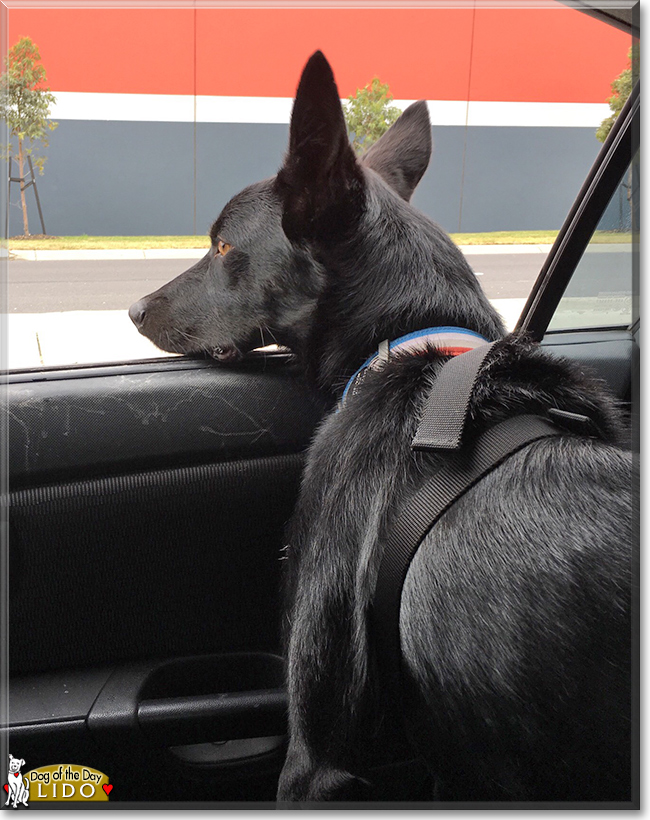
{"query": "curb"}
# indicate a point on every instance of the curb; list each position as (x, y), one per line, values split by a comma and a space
(198, 253)
(115, 254)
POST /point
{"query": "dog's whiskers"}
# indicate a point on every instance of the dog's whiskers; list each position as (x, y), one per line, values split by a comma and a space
(189, 336)
(264, 327)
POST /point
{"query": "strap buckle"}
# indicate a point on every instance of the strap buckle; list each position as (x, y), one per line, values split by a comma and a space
(574, 422)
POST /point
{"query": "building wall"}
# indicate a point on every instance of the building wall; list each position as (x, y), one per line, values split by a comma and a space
(166, 113)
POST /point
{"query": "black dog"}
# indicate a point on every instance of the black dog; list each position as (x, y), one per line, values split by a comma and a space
(515, 619)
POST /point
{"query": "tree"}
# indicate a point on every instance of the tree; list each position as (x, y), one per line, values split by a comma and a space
(368, 114)
(25, 107)
(622, 88)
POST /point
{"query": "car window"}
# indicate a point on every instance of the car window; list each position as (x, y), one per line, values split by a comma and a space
(153, 142)
(600, 292)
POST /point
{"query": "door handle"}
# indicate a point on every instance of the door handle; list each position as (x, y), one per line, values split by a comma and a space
(208, 718)
(200, 699)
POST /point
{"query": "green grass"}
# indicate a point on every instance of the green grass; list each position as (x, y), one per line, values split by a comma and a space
(535, 238)
(69, 243)
(613, 238)
(506, 238)
(145, 242)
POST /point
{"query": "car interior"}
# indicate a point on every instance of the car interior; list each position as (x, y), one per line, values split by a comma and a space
(146, 508)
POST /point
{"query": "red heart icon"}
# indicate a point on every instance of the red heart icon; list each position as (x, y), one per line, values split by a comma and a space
(108, 789)
(7, 788)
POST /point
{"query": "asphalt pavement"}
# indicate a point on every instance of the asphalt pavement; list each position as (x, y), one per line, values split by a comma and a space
(113, 284)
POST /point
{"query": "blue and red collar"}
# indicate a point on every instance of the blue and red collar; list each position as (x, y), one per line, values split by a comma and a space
(451, 341)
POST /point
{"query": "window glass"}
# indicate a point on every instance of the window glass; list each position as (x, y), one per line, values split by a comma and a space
(158, 128)
(600, 293)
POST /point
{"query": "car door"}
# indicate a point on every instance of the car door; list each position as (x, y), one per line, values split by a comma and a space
(144, 571)
(146, 511)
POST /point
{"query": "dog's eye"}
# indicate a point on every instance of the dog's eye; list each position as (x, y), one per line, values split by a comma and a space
(222, 248)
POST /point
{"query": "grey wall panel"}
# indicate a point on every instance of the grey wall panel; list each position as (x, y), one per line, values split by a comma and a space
(438, 194)
(137, 178)
(524, 178)
(114, 178)
(230, 156)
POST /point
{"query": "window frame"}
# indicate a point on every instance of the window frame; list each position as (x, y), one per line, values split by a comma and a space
(615, 156)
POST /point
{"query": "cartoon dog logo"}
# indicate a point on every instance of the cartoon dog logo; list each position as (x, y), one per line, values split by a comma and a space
(18, 786)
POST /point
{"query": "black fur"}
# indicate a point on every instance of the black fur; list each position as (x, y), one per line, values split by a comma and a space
(515, 613)
(515, 616)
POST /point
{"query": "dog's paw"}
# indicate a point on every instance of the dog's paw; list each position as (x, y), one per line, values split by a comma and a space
(322, 783)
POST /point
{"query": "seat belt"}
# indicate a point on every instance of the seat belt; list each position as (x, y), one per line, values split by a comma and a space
(440, 429)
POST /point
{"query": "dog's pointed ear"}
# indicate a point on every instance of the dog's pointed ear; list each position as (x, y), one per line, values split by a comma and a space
(402, 155)
(320, 181)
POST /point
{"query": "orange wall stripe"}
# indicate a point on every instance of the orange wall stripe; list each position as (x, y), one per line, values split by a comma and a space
(545, 55)
(114, 50)
(535, 55)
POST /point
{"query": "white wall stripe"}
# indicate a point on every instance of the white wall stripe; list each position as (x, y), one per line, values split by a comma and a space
(73, 105)
(565, 115)
(77, 105)
(243, 109)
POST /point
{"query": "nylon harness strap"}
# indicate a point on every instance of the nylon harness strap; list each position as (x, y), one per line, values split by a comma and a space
(461, 469)
(443, 420)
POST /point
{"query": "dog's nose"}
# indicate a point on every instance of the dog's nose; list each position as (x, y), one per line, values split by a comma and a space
(137, 312)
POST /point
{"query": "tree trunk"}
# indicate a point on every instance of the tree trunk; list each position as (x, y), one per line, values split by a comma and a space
(23, 201)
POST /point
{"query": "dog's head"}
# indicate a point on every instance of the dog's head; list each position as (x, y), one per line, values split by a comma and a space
(15, 764)
(270, 262)
(251, 288)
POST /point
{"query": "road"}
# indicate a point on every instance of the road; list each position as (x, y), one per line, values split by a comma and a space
(74, 312)
(44, 287)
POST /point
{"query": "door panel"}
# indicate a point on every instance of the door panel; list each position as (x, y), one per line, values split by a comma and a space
(99, 421)
(167, 562)
(610, 355)
(147, 512)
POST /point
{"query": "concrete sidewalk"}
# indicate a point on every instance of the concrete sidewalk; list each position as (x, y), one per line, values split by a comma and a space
(96, 336)
(74, 337)
(197, 253)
